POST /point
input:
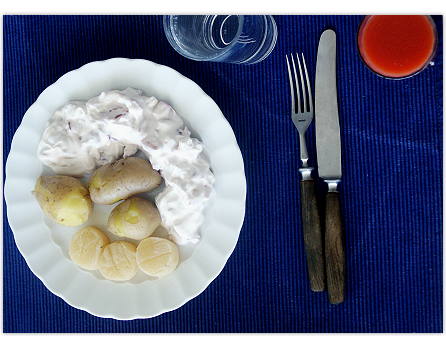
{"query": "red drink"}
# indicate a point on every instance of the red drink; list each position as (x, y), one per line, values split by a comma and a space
(397, 46)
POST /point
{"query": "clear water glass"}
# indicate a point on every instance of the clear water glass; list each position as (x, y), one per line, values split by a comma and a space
(222, 38)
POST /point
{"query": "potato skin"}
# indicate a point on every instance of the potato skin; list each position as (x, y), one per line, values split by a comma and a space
(64, 199)
(121, 179)
(135, 218)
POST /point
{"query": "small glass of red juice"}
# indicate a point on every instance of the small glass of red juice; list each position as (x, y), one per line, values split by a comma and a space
(397, 46)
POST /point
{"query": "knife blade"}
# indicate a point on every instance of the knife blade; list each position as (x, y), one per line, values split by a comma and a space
(328, 148)
(328, 140)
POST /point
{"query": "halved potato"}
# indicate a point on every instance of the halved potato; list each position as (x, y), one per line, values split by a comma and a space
(64, 199)
(121, 179)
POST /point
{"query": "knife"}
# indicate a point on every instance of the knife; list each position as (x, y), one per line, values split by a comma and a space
(328, 147)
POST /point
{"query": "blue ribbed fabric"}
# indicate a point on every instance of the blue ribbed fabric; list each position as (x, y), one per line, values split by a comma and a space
(392, 182)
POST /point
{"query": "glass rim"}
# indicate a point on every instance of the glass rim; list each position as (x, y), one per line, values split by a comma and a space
(271, 47)
(175, 43)
(423, 67)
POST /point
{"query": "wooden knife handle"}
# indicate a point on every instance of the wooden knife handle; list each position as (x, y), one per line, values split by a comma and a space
(334, 250)
(312, 235)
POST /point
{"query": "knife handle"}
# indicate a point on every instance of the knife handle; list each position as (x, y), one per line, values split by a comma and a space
(334, 250)
(312, 235)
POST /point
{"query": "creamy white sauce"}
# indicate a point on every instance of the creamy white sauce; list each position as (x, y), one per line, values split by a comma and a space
(82, 136)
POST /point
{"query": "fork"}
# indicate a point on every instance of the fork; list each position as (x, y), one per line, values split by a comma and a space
(302, 117)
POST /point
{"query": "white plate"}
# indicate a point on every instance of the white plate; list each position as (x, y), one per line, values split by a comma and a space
(44, 244)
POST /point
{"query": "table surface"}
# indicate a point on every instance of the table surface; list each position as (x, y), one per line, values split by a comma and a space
(391, 190)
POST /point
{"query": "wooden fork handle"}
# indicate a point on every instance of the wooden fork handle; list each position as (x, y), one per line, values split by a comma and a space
(312, 235)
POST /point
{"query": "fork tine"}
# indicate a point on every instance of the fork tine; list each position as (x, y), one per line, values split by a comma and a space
(291, 84)
(299, 109)
(302, 83)
(310, 98)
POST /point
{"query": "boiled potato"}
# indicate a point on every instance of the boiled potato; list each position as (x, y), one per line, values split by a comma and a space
(121, 179)
(64, 199)
(118, 261)
(157, 257)
(135, 218)
(86, 247)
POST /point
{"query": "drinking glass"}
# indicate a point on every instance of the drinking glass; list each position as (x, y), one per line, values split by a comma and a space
(222, 38)
(397, 46)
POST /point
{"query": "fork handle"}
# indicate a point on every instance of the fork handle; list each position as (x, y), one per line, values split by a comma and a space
(334, 250)
(312, 235)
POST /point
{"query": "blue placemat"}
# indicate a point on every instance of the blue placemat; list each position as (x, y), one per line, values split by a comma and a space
(392, 183)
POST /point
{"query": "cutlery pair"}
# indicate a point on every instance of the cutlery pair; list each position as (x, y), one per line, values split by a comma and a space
(328, 147)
